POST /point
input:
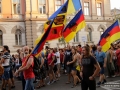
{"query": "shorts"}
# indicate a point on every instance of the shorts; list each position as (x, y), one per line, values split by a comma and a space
(69, 69)
(6, 74)
(58, 66)
(55, 69)
(50, 68)
(102, 70)
(74, 69)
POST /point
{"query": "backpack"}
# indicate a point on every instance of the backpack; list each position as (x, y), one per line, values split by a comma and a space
(1, 70)
(55, 60)
(36, 67)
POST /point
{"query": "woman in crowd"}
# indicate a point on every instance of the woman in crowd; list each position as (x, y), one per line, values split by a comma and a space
(50, 61)
(42, 75)
(110, 65)
(75, 63)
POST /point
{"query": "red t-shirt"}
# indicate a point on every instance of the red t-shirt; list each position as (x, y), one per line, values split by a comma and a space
(28, 74)
(50, 55)
(61, 57)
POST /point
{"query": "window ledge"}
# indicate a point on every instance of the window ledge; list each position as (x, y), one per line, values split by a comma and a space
(90, 42)
(18, 45)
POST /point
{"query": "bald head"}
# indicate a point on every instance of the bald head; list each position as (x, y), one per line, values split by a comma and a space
(26, 50)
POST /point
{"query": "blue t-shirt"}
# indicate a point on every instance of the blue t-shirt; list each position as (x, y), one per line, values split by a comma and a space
(100, 56)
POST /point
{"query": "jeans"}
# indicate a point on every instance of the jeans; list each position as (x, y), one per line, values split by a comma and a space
(6, 74)
(29, 84)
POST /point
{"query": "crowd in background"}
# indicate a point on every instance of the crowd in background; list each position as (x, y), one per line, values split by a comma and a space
(80, 64)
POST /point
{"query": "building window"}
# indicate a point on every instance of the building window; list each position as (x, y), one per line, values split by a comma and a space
(99, 11)
(0, 7)
(76, 39)
(42, 6)
(86, 8)
(89, 36)
(1, 38)
(101, 31)
(16, 6)
(18, 37)
(58, 4)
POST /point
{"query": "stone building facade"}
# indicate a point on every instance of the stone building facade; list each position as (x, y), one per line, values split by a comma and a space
(21, 21)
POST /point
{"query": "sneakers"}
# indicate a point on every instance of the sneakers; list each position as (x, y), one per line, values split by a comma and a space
(104, 81)
(107, 76)
(113, 76)
(53, 81)
(98, 84)
(49, 83)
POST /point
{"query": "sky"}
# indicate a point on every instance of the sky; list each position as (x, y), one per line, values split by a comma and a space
(115, 4)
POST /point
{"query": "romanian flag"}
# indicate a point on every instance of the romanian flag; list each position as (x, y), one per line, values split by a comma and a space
(76, 24)
(42, 41)
(109, 36)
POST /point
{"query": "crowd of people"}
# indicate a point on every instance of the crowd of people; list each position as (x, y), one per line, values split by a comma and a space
(80, 64)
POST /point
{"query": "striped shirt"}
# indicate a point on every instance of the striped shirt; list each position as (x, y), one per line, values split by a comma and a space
(6, 57)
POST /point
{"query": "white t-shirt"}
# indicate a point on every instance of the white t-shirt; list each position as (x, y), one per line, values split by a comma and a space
(58, 55)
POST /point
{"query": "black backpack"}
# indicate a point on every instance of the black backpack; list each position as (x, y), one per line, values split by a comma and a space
(36, 67)
(55, 60)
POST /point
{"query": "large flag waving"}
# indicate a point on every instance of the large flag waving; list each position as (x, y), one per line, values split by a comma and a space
(76, 24)
(59, 17)
(109, 36)
(58, 23)
(42, 41)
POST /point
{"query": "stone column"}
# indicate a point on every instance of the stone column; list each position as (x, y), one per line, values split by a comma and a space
(29, 37)
(107, 8)
(34, 31)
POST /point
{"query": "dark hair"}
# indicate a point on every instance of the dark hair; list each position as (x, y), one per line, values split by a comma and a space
(87, 45)
(6, 47)
(9, 51)
(46, 47)
(79, 45)
(87, 50)
(30, 50)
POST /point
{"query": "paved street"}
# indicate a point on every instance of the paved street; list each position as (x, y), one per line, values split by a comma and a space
(60, 85)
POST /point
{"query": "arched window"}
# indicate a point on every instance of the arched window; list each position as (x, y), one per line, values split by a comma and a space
(89, 34)
(101, 31)
(18, 37)
(1, 38)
